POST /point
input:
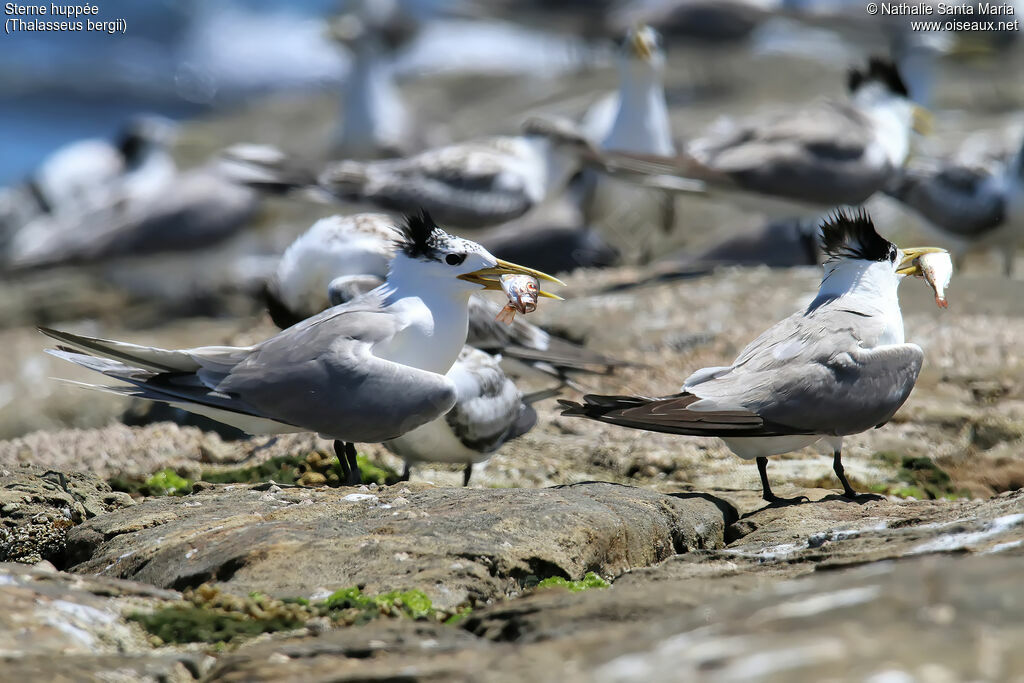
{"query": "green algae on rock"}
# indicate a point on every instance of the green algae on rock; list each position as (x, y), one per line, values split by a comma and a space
(211, 616)
(590, 580)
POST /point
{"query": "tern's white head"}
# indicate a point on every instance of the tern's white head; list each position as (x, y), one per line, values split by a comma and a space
(641, 51)
(881, 94)
(429, 285)
(428, 257)
(860, 262)
(145, 137)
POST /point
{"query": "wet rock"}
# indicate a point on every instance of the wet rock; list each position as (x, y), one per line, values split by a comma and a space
(457, 545)
(38, 507)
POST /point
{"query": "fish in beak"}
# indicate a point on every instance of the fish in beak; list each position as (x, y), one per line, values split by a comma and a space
(934, 265)
(490, 278)
(910, 265)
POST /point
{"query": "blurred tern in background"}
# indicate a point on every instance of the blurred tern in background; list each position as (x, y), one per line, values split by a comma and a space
(805, 162)
(472, 184)
(640, 125)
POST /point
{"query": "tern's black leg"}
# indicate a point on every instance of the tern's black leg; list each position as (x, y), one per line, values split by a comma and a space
(467, 474)
(766, 489)
(355, 477)
(837, 465)
(339, 450)
(405, 472)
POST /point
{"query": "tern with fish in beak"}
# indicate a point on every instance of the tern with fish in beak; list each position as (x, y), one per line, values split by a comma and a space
(838, 367)
(368, 371)
(343, 257)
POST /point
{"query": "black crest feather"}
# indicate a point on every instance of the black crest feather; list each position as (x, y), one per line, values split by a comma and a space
(882, 70)
(419, 235)
(851, 235)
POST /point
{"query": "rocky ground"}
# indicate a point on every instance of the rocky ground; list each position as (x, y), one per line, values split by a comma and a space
(156, 550)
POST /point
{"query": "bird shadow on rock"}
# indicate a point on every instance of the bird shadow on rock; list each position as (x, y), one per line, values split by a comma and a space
(860, 498)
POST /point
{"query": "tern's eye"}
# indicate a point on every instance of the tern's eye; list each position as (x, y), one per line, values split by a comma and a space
(454, 259)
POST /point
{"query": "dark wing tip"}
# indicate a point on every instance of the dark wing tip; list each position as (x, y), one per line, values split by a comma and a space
(570, 407)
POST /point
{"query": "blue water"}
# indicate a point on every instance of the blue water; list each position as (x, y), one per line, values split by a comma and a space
(178, 58)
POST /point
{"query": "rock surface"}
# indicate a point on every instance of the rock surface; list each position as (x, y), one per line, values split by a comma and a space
(37, 507)
(458, 546)
(760, 608)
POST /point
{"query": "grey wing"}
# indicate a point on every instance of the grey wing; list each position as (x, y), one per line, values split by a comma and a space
(817, 156)
(322, 375)
(818, 373)
(958, 199)
(319, 375)
(488, 407)
(454, 193)
(491, 335)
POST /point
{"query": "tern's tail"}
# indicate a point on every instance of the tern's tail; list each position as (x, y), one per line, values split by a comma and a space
(672, 415)
(266, 168)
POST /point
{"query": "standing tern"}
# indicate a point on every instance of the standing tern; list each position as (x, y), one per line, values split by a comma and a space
(342, 257)
(640, 125)
(839, 367)
(368, 371)
(805, 162)
(970, 205)
(374, 119)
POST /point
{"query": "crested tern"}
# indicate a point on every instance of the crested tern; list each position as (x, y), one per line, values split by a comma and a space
(342, 257)
(473, 184)
(489, 411)
(805, 162)
(368, 371)
(839, 367)
(969, 205)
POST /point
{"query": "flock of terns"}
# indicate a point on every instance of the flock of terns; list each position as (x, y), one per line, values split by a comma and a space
(385, 336)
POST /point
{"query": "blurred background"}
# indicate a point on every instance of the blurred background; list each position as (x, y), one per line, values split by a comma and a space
(204, 76)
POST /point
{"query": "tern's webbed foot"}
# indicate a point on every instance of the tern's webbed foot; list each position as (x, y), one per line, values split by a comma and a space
(778, 501)
(861, 498)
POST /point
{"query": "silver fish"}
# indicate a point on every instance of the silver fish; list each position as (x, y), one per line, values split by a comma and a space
(937, 269)
(522, 292)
